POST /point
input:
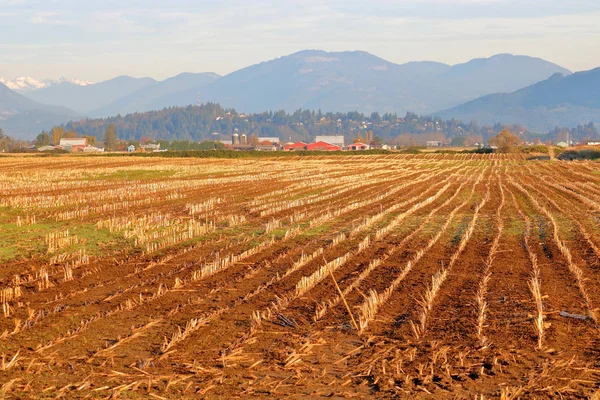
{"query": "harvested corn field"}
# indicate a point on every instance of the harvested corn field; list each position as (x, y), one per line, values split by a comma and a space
(389, 276)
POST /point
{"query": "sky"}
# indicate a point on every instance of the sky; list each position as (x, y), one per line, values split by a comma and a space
(100, 39)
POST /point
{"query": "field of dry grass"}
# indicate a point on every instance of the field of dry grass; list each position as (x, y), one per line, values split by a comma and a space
(390, 276)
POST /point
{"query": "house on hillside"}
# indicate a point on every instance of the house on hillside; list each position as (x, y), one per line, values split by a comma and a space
(295, 146)
(323, 146)
(336, 140)
(73, 144)
(359, 146)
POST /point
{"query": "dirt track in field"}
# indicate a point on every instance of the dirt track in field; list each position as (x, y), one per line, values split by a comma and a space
(222, 279)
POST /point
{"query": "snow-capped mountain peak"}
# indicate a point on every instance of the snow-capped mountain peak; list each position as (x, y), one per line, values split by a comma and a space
(74, 81)
(23, 83)
(28, 84)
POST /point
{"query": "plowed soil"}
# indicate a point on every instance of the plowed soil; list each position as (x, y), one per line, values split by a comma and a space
(348, 277)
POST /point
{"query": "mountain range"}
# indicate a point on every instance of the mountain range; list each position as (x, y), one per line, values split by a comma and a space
(359, 81)
(156, 95)
(24, 118)
(311, 79)
(26, 84)
(557, 101)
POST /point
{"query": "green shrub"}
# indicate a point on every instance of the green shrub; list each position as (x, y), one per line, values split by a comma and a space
(538, 148)
(412, 150)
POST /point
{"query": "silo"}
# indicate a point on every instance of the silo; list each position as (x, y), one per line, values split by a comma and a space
(244, 139)
(235, 139)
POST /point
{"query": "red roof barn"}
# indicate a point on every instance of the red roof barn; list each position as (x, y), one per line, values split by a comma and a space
(295, 146)
(323, 146)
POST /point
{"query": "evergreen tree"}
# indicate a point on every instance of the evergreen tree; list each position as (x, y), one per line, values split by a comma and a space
(110, 138)
(43, 139)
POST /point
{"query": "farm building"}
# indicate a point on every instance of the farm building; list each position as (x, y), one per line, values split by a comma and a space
(265, 146)
(323, 146)
(336, 140)
(434, 143)
(73, 144)
(593, 143)
(242, 147)
(47, 148)
(295, 146)
(151, 147)
(130, 148)
(92, 149)
(271, 140)
(359, 146)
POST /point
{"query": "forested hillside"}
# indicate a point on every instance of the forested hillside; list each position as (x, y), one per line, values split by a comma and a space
(211, 121)
(560, 100)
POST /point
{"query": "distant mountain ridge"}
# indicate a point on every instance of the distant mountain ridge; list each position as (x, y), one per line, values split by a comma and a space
(360, 81)
(310, 79)
(85, 99)
(25, 84)
(23, 118)
(557, 101)
(155, 96)
(121, 95)
(313, 79)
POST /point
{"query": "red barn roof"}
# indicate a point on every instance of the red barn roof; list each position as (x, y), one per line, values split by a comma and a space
(295, 146)
(323, 146)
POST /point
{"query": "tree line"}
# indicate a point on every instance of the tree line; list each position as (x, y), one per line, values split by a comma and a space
(184, 128)
(211, 121)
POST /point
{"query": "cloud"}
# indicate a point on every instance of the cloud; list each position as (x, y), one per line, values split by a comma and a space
(158, 38)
